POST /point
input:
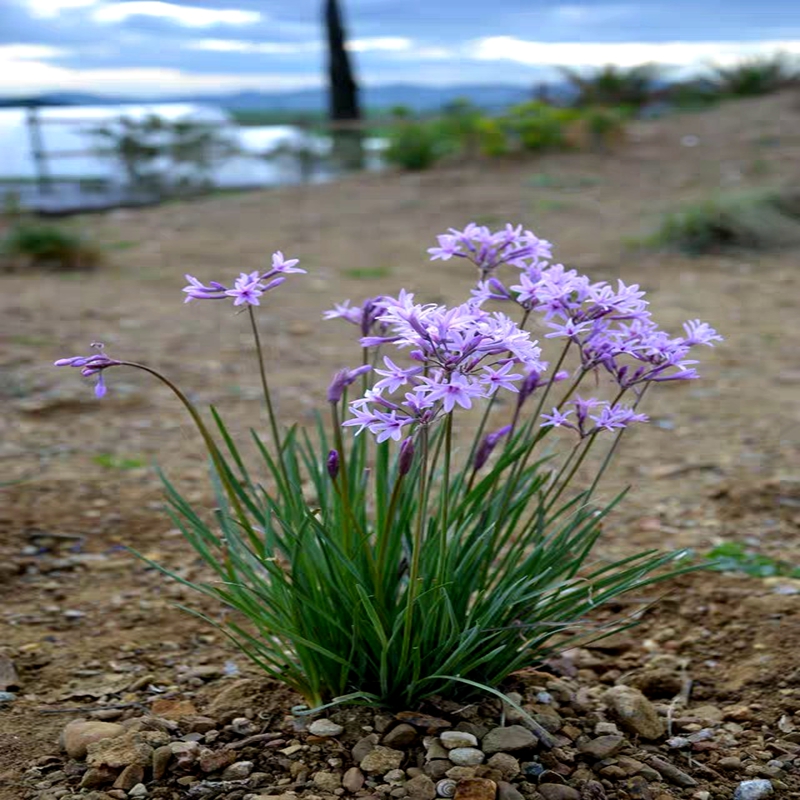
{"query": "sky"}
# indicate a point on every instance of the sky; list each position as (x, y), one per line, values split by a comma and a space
(151, 48)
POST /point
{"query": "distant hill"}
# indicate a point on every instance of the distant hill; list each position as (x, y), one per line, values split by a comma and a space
(417, 98)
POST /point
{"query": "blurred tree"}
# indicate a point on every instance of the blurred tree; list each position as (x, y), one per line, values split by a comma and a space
(343, 99)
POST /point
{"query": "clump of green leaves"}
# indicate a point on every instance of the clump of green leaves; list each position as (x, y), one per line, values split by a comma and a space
(617, 87)
(736, 557)
(44, 244)
(757, 76)
(755, 220)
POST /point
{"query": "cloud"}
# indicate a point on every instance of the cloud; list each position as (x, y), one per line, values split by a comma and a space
(190, 16)
(625, 54)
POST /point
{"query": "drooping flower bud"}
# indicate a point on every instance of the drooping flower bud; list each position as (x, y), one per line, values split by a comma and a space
(488, 444)
(406, 456)
(342, 379)
(333, 464)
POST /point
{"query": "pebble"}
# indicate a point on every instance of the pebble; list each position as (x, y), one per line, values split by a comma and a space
(753, 790)
(505, 764)
(327, 781)
(602, 747)
(466, 756)
(506, 791)
(161, 758)
(381, 760)
(129, 777)
(457, 739)
(79, 734)
(634, 712)
(401, 736)
(7, 697)
(672, 773)
(730, 763)
(476, 789)
(353, 779)
(140, 790)
(364, 746)
(421, 787)
(325, 727)
(557, 791)
(508, 739)
(9, 679)
(238, 771)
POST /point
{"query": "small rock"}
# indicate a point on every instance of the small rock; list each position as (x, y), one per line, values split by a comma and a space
(173, 709)
(129, 777)
(140, 790)
(634, 712)
(196, 723)
(131, 748)
(242, 726)
(238, 771)
(602, 747)
(605, 729)
(7, 697)
(79, 734)
(637, 788)
(94, 777)
(508, 739)
(364, 746)
(402, 735)
(438, 769)
(671, 773)
(394, 776)
(325, 727)
(428, 723)
(557, 791)
(476, 789)
(161, 758)
(506, 791)
(381, 759)
(462, 773)
(353, 780)
(421, 787)
(9, 680)
(327, 781)
(466, 756)
(213, 760)
(730, 763)
(454, 739)
(505, 764)
(434, 749)
(753, 790)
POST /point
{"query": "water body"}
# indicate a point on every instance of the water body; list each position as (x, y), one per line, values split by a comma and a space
(73, 175)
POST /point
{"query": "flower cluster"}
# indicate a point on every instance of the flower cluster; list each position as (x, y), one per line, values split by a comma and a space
(608, 416)
(248, 287)
(92, 365)
(488, 251)
(460, 354)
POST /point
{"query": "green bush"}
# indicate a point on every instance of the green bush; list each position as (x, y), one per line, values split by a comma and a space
(748, 220)
(415, 146)
(757, 76)
(48, 245)
(539, 126)
(632, 87)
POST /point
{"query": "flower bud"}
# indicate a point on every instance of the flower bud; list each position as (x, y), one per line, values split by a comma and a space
(333, 464)
(488, 444)
(406, 456)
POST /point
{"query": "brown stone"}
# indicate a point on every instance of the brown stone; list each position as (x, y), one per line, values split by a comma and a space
(602, 747)
(634, 712)
(401, 736)
(161, 758)
(79, 734)
(129, 777)
(97, 776)
(214, 760)
(132, 748)
(428, 723)
(9, 680)
(173, 709)
(421, 787)
(558, 791)
(476, 789)
(353, 780)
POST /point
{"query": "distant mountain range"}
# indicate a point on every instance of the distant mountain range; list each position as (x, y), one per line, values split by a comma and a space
(417, 98)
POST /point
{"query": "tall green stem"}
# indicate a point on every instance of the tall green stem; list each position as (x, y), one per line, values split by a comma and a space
(416, 551)
(445, 505)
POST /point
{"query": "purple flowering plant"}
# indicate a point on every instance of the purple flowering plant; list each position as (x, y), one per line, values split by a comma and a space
(387, 556)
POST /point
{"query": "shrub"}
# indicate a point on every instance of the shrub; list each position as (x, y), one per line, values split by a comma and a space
(48, 245)
(756, 76)
(632, 87)
(416, 146)
(538, 126)
(390, 566)
(748, 220)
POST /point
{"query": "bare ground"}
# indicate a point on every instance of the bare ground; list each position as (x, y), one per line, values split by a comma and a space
(79, 615)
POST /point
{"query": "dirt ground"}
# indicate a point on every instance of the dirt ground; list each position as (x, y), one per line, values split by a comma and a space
(721, 462)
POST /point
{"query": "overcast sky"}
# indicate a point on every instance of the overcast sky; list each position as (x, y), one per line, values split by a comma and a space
(152, 47)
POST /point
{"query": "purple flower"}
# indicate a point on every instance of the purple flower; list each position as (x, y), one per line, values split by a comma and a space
(246, 289)
(342, 379)
(557, 420)
(197, 291)
(395, 376)
(617, 416)
(457, 389)
(92, 365)
(499, 378)
(286, 266)
(700, 333)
